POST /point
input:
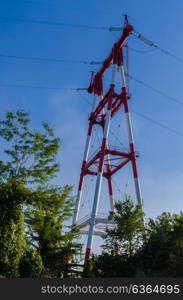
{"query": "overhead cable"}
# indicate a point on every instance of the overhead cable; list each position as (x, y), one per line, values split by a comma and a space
(52, 23)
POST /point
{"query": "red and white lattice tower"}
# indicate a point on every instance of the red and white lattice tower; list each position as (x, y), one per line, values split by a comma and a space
(104, 110)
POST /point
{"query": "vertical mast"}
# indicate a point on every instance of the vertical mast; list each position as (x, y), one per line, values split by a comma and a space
(108, 160)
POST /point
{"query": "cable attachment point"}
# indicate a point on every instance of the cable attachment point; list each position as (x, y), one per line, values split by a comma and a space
(81, 89)
(115, 28)
(145, 40)
(96, 62)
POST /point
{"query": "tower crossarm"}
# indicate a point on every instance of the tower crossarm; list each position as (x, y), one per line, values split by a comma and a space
(96, 85)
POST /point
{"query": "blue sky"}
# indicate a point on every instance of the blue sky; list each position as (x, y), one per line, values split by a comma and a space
(161, 162)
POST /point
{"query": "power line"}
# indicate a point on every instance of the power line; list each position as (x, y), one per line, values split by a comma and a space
(81, 62)
(158, 123)
(153, 44)
(37, 87)
(70, 61)
(84, 26)
(141, 50)
(157, 90)
(35, 2)
(77, 90)
(52, 23)
(44, 59)
(29, 1)
(32, 2)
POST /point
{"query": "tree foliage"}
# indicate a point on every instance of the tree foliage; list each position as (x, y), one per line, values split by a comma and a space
(162, 252)
(31, 264)
(12, 237)
(29, 157)
(127, 235)
(30, 154)
(135, 250)
(46, 228)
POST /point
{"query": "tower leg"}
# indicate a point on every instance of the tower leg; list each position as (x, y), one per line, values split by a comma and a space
(111, 198)
(109, 180)
(98, 183)
(85, 158)
(130, 137)
(110, 189)
(100, 169)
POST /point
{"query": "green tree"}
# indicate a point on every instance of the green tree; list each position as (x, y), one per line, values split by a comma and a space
(46, 219)
(30, 154)
(162, 252)
(31, 265)
(30, 157)
(12, 237)
(127, 235)
(176, 253)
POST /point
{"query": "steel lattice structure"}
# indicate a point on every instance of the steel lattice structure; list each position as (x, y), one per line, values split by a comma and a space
(102, 113)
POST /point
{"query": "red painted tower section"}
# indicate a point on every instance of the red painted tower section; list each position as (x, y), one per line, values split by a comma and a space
(102, 113)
